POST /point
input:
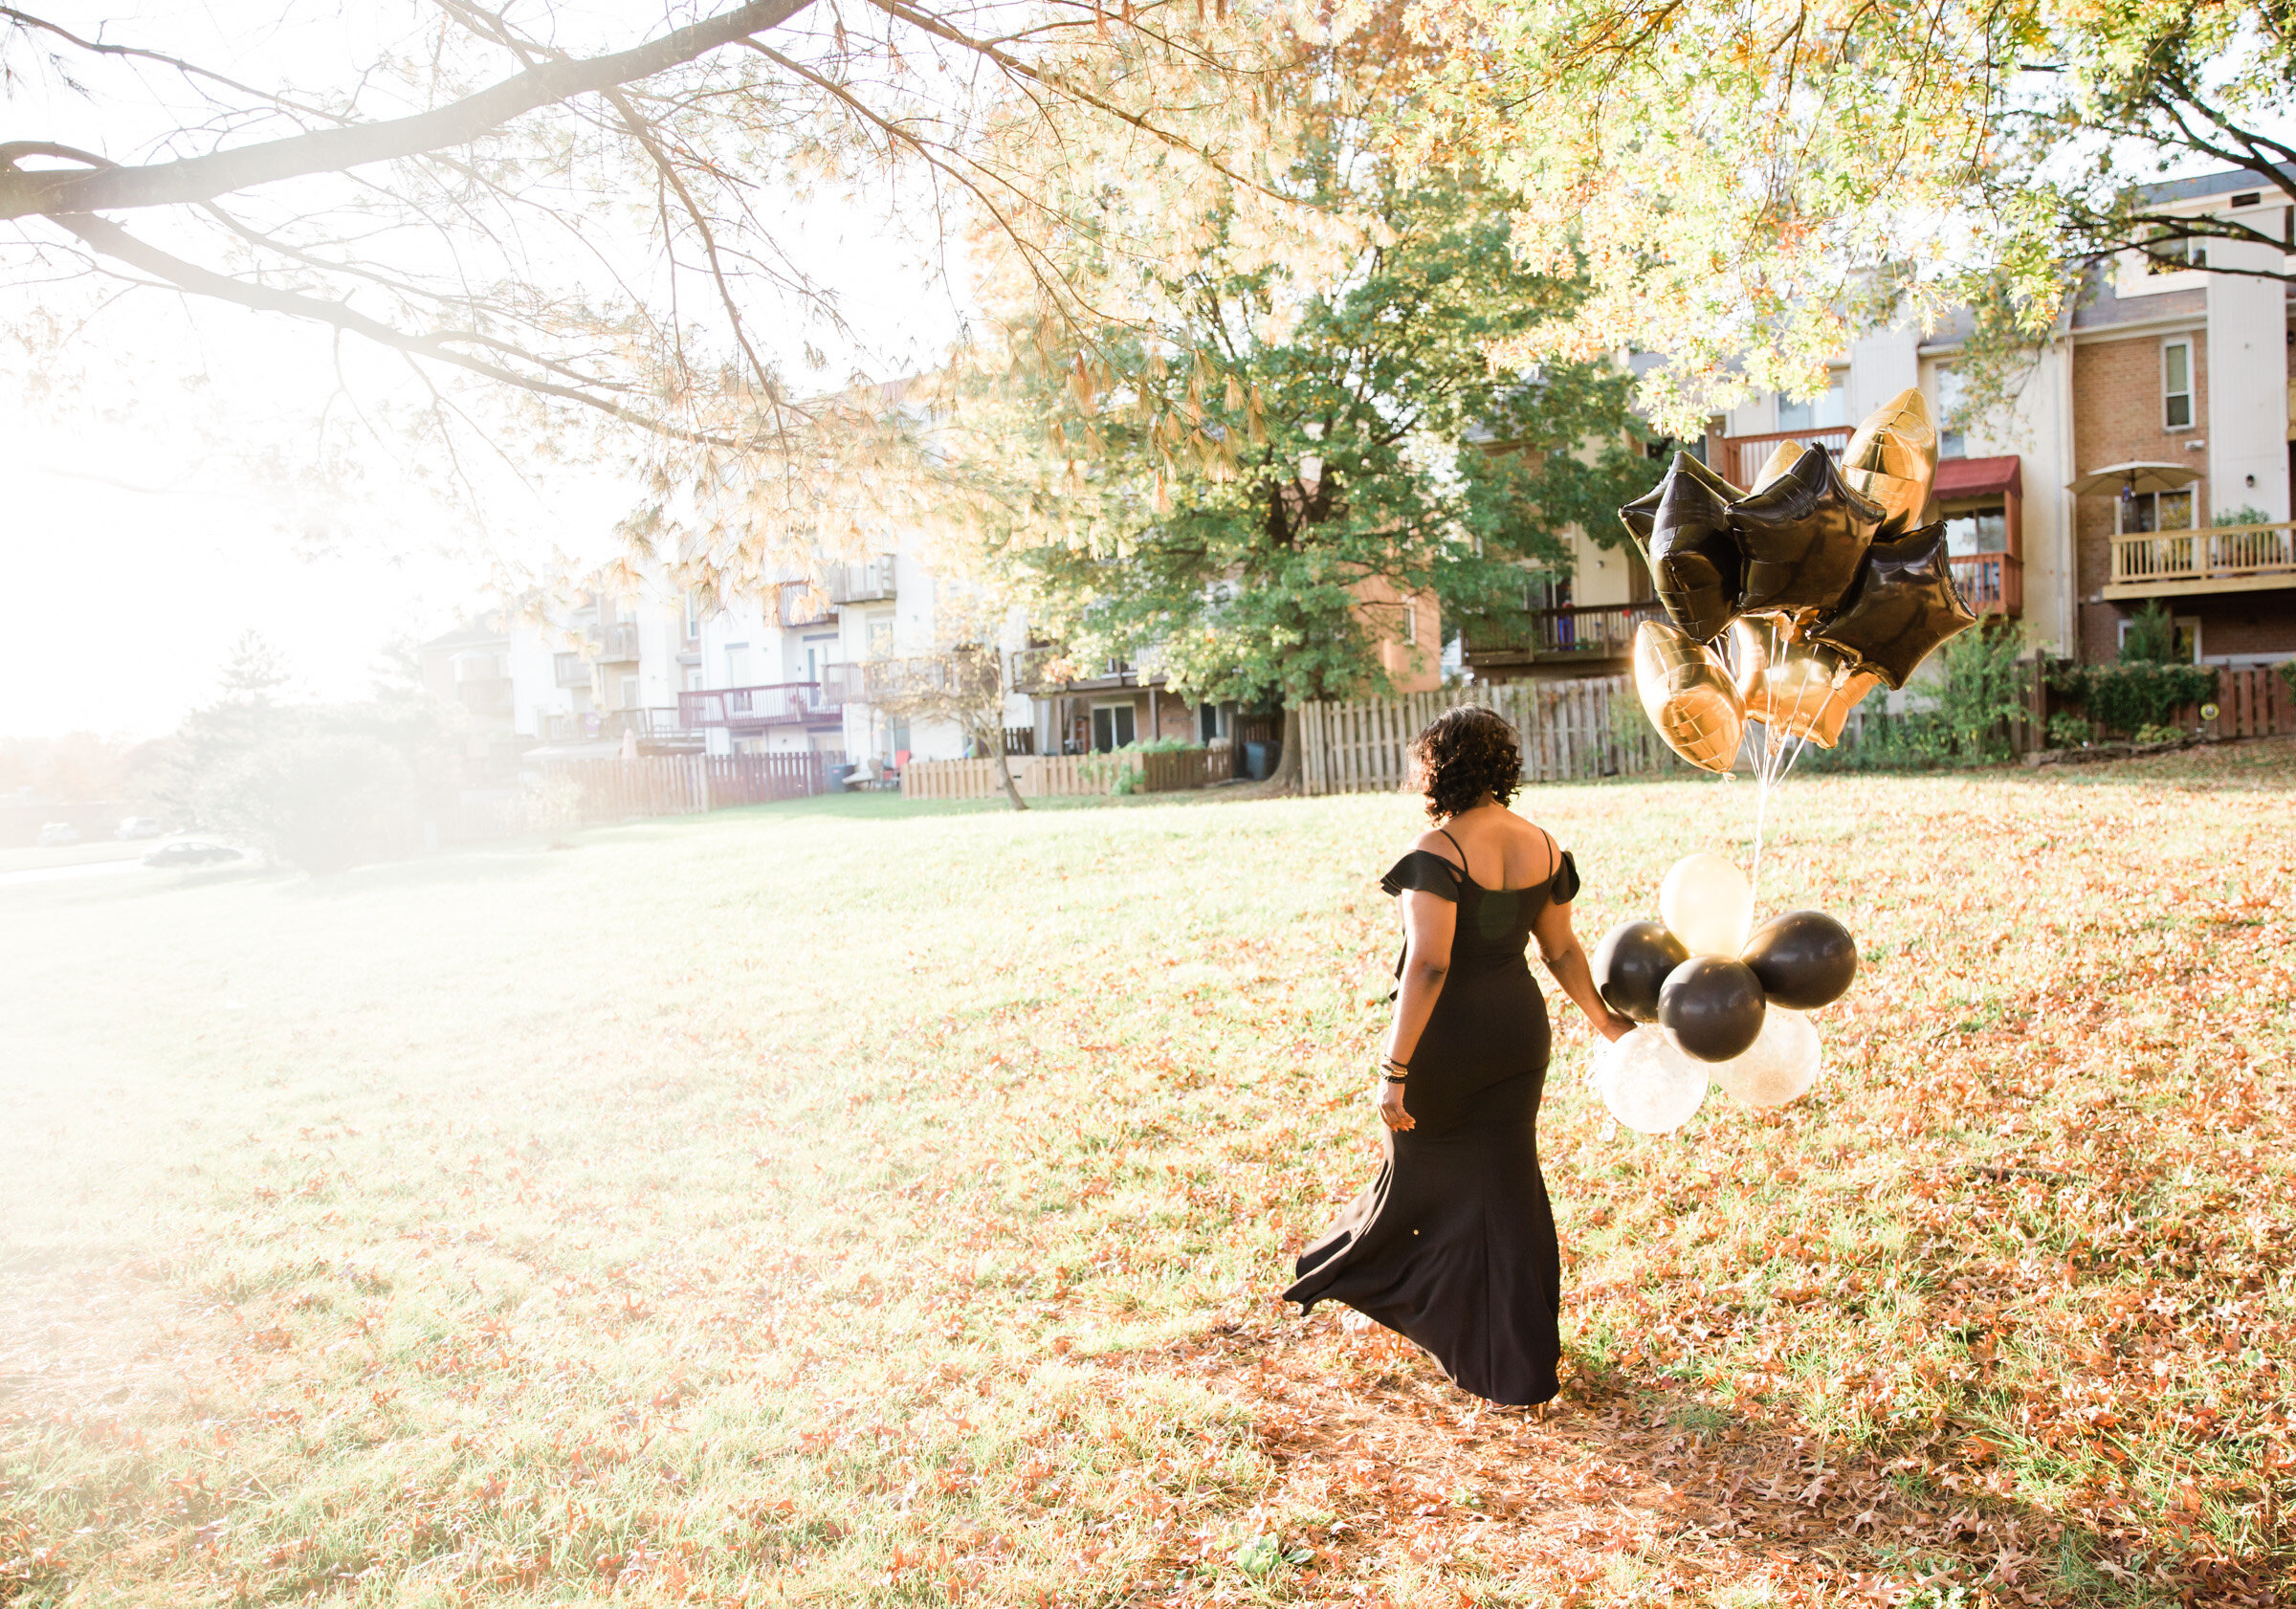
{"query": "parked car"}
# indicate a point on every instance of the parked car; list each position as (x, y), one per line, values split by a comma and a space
(57, 834)
(190, 851)
(138, 826)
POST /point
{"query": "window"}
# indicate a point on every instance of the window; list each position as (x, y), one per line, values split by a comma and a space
(2174, 256)
(737, 664)
(1207, 722)
(2247, 198)
(881, 636)
(1410, 622)
(693, 616)
(1819, 413)
(1112, 727)
(2176, 385)
(2157, 510)
(630, 692)
(1977, 530)
(2188, 636)
(1951, 443)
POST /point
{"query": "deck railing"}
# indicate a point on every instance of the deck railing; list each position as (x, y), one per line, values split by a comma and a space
(1742, 457)
(1589, 631)
(2236, 556)
(1990, 582)
(753, 708)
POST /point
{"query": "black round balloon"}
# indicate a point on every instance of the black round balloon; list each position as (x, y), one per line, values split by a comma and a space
(1803, 959)
(1631, 965)
(1713, 1008)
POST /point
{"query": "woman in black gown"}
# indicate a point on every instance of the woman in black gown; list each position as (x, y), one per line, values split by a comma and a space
(1453, 1244)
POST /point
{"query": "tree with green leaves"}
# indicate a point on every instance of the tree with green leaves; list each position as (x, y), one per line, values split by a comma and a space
(1223, 480)
(1750, 185)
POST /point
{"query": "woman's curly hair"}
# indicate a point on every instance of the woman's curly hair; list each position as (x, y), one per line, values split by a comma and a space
(1464, 754)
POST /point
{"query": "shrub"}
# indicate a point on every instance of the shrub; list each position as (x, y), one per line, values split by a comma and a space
(550, 805)
(2160, 734)
(323, 801)
(1123, 770)
(2247, 513)
(2152, 638)
(2287, 674)
(2125, 697)
(2069, 731)
(1981, 689)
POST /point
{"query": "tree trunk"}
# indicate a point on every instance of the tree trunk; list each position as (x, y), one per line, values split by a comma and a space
(1287, 775)
(1004, 772)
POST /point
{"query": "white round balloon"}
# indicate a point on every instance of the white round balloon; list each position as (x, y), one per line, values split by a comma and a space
(1779, 1066)
(1649, 1082)
(1707, 904)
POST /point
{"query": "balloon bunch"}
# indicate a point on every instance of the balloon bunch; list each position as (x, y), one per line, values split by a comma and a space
(1719, 1001)
(1820, 582)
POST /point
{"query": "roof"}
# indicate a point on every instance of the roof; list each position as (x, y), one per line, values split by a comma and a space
(486, 628)
(2223, 182)
(1979, 477)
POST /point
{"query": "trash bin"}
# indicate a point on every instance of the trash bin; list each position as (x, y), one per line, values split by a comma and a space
(1259, 760)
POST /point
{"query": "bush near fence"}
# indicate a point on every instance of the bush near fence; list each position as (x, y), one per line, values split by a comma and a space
(1570, 730)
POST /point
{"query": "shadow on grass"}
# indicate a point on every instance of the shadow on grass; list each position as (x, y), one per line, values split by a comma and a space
(1625, 1483)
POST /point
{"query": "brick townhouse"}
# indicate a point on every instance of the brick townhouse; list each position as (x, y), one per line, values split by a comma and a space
(2145, 456)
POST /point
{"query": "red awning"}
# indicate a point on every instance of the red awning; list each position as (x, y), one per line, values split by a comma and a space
(1979, 477)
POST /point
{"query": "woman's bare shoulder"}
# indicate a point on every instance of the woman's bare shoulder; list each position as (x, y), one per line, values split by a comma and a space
(1436, 844)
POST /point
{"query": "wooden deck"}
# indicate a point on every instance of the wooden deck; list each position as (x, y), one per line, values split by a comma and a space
(2214, 559)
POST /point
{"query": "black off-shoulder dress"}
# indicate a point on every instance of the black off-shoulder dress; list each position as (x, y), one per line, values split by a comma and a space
(1453, 1244)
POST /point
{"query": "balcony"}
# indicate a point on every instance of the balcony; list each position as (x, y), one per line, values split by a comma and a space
(1594, 631)
(803, 603)
(486, 695)
(871, 582)
(931, 676)
(1043, 671)
(1990, 583)
(658, 727)
(572, 670)
(617, 644)
(2221, 559)
(758, 709)
(1739, 459)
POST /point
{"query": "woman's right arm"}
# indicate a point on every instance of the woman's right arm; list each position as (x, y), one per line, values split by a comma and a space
(1430, 921)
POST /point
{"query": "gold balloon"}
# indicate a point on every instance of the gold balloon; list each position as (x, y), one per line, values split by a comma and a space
(1893, 461)
(1794, 686)
(1686, 692)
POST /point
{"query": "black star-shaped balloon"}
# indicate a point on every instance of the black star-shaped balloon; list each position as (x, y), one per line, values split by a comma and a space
(1803, 534)
(1901, 607)
(1695, 555)
(1640, 515)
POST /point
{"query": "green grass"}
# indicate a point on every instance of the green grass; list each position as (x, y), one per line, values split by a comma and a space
(856, 1202)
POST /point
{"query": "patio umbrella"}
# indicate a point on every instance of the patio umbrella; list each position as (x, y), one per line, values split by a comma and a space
(2135, 477)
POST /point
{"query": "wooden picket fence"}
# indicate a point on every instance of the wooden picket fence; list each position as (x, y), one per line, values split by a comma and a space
(1570, 730)
(1040, 776)
(2253, 701)
(689, 784)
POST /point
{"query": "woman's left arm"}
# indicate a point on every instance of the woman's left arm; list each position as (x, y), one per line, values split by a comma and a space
(1558, 947)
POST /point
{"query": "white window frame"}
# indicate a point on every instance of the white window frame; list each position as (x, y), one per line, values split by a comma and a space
(2168, 421)
(1410, 623)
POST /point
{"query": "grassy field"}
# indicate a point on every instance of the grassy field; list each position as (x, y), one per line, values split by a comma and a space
(852, 1203)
